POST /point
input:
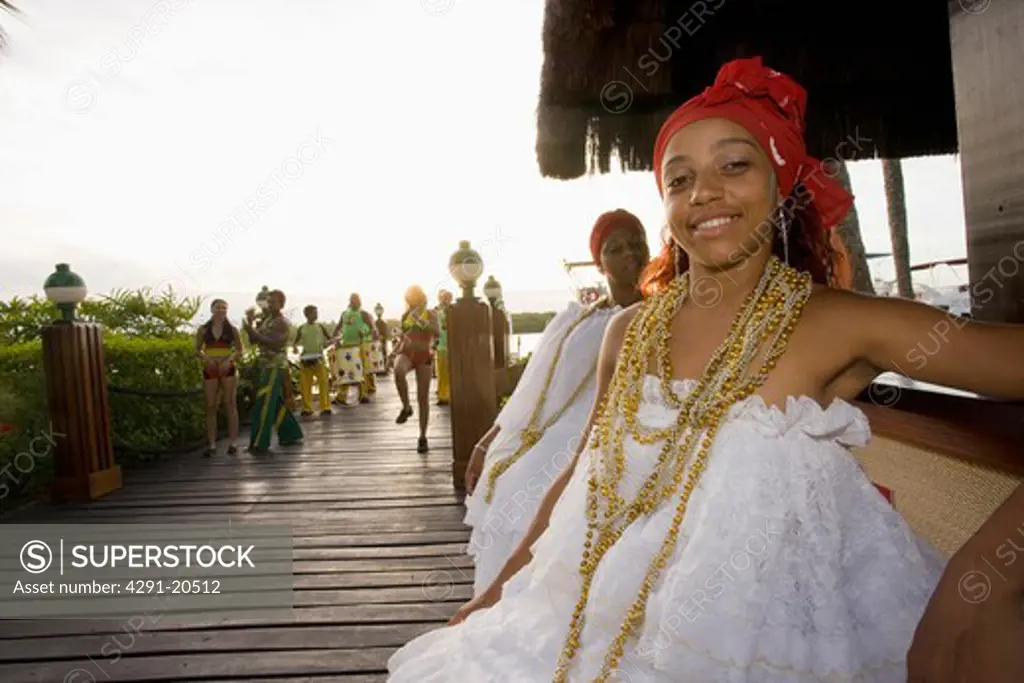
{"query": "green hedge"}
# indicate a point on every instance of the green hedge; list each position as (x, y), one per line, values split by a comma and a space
(147, 423)
(23, 407)
(141, 424)
(531, 323)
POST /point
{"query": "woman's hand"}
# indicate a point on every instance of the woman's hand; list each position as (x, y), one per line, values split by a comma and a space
(987, 650)
(486, 599)
(971, 630)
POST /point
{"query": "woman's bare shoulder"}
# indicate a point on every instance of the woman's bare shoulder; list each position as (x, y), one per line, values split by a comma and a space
(621, 320)
(840, 303)
(615, 332)
(855, 307)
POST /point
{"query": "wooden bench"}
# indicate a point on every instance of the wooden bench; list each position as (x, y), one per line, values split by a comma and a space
(949, 459)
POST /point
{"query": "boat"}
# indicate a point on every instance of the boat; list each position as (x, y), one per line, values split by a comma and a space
(584, 289)
(954, 298)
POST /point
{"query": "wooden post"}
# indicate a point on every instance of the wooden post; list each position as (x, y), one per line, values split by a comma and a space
(499, 325)
(76, 391)
(989, 101)
(471, 366)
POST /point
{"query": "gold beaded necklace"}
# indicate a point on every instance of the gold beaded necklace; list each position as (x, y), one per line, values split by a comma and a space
(532, 433)
(760, 329)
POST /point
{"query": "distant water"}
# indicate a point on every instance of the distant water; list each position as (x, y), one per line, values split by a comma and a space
(523, 344)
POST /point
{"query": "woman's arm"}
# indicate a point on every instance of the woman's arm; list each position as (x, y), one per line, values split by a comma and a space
(487, 439)
(200, 335)
(523, 554)
(929, 345)
(475, 466)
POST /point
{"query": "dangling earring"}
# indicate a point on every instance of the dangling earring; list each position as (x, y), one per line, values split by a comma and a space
(784, 229)
(677, 258)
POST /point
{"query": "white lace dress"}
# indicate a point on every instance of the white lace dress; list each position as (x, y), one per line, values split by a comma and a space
(790, 568)
(498, 526)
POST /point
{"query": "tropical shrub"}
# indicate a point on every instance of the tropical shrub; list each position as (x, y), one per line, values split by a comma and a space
(154, 380)
(155, 394)
(138, 313)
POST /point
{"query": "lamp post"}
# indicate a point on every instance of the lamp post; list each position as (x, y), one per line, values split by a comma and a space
(492, 290)
(465, 266)
(499, 322)
(474, 403)
(379, 310)
(261, 298)
(66, 289)
(77, 399)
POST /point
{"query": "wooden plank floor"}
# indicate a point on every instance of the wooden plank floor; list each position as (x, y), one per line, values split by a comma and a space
(379, 558)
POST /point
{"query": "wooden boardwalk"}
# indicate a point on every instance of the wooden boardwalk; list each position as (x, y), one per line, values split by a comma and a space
(379, 558)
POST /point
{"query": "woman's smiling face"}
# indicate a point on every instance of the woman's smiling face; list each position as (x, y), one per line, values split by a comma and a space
(720, 193)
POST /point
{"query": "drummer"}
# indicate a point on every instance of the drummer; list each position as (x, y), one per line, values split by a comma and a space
(313, 338)
(353, 359)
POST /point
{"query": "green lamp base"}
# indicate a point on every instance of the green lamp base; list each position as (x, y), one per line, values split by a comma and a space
(67, 312)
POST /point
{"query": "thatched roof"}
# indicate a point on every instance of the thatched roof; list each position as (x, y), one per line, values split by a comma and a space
(6, 6)
(614, 69)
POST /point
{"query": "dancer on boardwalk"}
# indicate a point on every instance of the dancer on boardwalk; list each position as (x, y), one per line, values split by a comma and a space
(539, 429)
(716, 527)
(419, 328)
(270, 412)
(444, 302)
(218, 345)
(381, 326)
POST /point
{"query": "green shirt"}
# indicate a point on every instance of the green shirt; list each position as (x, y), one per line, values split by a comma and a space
(354, 329)
(312, 338)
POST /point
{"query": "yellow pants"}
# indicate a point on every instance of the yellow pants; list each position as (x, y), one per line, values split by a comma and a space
(443, 386)
(306, 376)
(369, 385)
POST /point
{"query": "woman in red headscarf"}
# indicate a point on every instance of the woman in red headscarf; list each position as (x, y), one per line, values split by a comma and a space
(538, 430)
(716, 526)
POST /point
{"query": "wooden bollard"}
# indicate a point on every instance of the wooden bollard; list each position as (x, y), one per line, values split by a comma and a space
(499, 327)
(474, 402)
(76, 392)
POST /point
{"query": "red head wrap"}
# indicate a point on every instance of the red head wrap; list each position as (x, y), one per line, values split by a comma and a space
(770, 106)
(606, 224)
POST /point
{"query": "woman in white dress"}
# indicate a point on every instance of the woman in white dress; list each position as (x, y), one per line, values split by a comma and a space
(716, 528)
(539, 430)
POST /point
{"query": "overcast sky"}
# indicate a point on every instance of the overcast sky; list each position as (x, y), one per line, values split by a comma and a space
(321, 146)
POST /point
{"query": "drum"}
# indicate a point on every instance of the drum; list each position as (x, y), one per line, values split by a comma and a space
(349, 365)
(377, 361)
(311, 360)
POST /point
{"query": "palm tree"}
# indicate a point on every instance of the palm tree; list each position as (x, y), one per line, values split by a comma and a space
(896, 206)
(849, 234)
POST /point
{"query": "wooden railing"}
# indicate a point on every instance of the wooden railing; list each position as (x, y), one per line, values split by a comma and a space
(952, 423)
